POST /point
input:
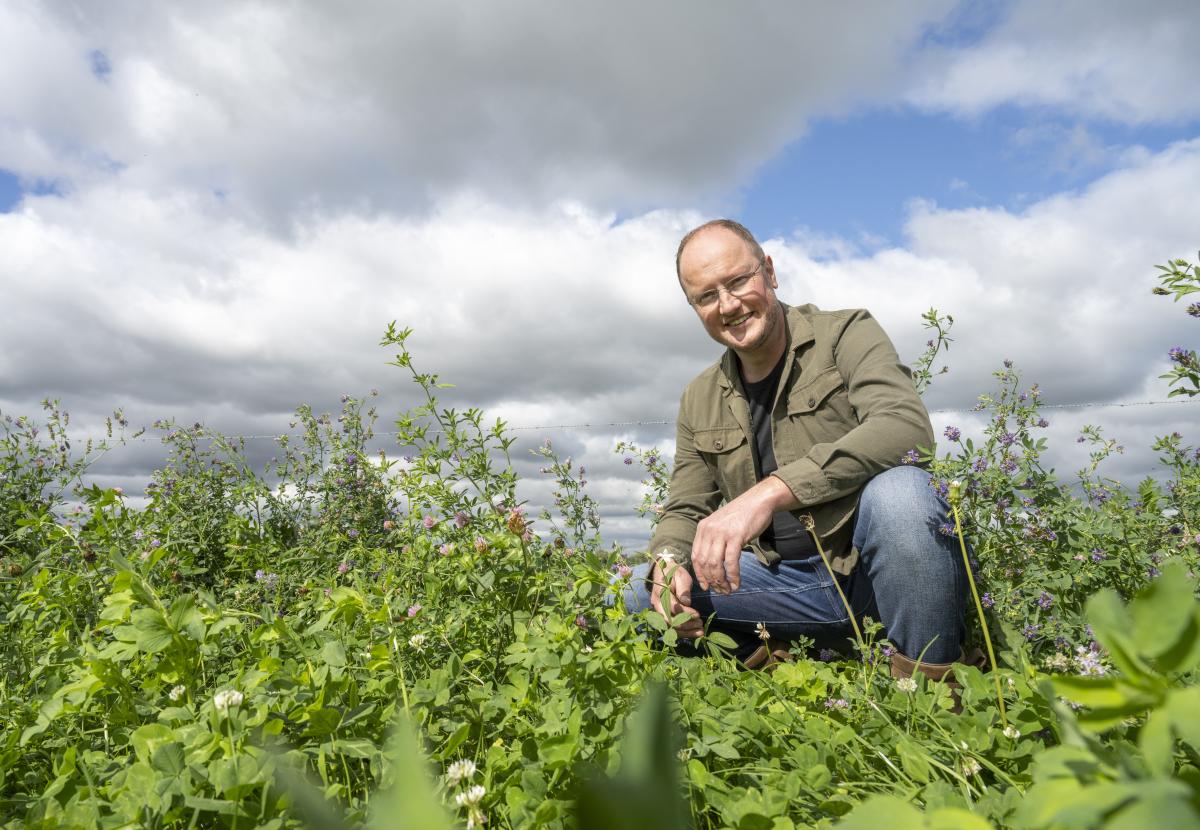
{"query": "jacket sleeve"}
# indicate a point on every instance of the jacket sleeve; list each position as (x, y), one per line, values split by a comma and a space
(892, 418)
(694, 495)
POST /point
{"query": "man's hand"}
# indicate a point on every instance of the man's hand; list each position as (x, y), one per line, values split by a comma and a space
(721, 538)
(679, 597)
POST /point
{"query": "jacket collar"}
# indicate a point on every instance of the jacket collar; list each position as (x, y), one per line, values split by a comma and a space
(800, 333)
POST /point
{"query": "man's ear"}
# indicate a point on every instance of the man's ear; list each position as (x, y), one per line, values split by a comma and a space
(769, 267)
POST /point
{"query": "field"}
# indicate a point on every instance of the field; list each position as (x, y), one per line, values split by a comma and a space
(237, 653)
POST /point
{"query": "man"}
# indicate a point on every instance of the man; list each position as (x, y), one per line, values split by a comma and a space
(808, 417)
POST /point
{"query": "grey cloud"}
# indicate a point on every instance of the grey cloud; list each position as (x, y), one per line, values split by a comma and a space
(294, 109)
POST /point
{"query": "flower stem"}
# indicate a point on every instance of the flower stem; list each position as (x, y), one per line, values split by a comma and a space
(955, 496)
(810, 525)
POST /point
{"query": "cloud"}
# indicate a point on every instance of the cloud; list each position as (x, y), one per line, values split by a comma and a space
(171, 306)
(287, 109)
(1122, 62)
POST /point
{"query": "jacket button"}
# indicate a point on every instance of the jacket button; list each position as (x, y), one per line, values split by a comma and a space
(812, 401)
(718, 445)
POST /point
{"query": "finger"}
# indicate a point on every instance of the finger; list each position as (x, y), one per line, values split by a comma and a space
(733, 566)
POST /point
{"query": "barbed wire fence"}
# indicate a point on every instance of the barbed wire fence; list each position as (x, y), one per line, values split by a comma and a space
(669, 421)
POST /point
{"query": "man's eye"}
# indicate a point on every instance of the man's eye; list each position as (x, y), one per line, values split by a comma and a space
(707, 298)
(737, 283)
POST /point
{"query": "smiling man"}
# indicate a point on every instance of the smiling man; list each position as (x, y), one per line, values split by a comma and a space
(807, 417)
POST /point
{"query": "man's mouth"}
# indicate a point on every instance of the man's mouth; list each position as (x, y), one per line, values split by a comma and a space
(737, 321)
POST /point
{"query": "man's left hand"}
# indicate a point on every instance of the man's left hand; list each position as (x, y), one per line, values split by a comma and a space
(721, 537)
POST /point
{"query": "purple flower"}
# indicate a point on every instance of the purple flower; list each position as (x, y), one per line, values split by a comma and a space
(980, 464)
(155, 543)
(628, 460)
(343, 567)
(826, 655)
(953, 433)
(260, 575)
(1194, 309)
(139, 534)
(910, 457)
(1178, 354)
(413, 610)
(1007, 439)
(650, 459)
(429, 522)
(1042, 422)
(352, 533)
(986, 600)
(837, 703)
(581, 621)
(1045, 601)
(1007, 364)
(1031, 631)
(461, 519)
(946, 529)
(1152, 572)
(624, 571)
(888, 651)
(1009, 464)
(446, 549)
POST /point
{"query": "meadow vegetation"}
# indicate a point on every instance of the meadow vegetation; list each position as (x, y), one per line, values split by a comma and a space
(236, 652)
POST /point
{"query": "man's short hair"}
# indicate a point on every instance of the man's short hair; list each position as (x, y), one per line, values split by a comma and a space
(729, 225)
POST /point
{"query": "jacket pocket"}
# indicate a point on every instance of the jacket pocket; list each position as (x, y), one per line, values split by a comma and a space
(720, 440)
(809, 397)
(727, 454)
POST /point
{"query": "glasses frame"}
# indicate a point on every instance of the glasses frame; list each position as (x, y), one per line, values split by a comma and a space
(714, 294)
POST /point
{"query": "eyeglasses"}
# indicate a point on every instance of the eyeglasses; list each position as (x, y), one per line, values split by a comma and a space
(736, 287)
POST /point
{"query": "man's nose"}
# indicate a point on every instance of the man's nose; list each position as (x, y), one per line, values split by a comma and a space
(726, 302)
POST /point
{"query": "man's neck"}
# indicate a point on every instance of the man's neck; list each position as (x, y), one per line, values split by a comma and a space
(758, 363)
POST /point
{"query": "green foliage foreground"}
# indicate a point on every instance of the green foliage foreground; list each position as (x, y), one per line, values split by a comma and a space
(237, 652)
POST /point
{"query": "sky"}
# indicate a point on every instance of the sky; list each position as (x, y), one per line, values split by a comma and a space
(211, 212)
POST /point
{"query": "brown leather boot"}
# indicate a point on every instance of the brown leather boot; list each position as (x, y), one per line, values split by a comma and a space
(768, 656)
(939, 672)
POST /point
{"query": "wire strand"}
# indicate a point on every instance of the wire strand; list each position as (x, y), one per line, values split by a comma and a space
(665, 422)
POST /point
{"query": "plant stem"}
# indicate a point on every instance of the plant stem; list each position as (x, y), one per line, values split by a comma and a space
(812, 530)
(987, 638)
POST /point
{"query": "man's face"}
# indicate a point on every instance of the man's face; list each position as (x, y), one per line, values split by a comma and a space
(745, 321)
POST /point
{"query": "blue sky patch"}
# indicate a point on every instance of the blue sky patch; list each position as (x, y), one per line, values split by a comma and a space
(855, 177)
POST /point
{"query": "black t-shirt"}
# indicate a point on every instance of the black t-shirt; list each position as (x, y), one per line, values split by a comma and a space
(786, 533)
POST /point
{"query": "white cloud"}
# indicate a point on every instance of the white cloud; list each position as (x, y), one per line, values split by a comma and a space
(557, 316)
(1131, 63)
(289, 108)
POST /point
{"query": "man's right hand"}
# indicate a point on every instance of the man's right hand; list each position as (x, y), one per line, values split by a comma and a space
(679, 597)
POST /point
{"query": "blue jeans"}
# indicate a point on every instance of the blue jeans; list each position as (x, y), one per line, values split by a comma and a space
(909, 577)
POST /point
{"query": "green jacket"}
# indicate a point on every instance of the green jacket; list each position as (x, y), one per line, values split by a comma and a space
(844, 411)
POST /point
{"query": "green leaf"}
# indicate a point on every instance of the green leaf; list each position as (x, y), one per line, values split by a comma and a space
(883, 811)
(913, 760)
(409, 803)
(1110, 623)
(153, 633)
(645, 792)
(1159, 811)
(1158, 744)
(1162, 611)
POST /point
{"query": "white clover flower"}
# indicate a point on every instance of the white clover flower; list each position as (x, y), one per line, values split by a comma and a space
(1057, 662)
(471, 797)
(460, 771)
(224, 700)
(906, 684)
(417, 641)
(1011, 731)
(475, 818)
(762, 632)
(176, 693)
(970, 766)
